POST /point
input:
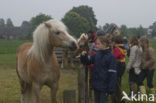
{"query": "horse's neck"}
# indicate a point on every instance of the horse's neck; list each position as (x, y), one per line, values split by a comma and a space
(86, 47)
(43, 55)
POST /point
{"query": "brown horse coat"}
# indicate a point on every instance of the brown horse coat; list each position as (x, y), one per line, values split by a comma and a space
(36, 63)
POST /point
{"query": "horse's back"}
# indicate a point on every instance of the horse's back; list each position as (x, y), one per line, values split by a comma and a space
(24, 47)
(23, 50)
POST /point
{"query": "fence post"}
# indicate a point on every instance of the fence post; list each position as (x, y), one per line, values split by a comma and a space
(86, 85)
(69, 96)
(81, 85)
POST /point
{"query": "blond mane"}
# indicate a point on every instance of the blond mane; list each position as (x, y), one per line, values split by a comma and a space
(83, 35)
(41, 42)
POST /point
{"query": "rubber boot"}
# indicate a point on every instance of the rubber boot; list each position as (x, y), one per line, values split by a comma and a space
(132, 89)
(143, 91)
(152, 91)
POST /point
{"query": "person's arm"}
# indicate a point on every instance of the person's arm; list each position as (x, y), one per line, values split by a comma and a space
(131, 58)
(112, 74)
(86, 59)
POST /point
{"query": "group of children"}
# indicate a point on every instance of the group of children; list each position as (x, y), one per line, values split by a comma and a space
(106, 60)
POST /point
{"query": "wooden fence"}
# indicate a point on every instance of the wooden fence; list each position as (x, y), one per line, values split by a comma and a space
(64, 57)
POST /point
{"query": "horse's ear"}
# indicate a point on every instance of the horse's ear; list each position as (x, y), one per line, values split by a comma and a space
(47, 24)
(86, 36)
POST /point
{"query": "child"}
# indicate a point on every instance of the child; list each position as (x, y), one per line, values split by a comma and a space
(104, 70)
(134, 63)
(93, 47)
(147, 66)
(119, 52)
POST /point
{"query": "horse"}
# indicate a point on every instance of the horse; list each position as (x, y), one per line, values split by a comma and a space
(36, 63)
(82, 43)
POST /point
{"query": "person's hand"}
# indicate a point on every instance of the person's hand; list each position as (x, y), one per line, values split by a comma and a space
(83, 53)
(77, 57)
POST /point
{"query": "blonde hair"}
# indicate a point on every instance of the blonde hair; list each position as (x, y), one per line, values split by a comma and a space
(104, 40)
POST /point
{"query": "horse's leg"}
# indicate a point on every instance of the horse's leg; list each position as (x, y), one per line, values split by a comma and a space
(25, 92)
(54, 88)
(30, 93)
(35, 93)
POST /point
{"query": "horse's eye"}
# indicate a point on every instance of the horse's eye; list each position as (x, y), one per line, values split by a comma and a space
(57, 33)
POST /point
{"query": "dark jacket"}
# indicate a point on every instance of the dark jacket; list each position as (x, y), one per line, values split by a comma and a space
(104, 70)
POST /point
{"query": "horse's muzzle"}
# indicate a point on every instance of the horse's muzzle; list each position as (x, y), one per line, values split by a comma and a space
(73, 46)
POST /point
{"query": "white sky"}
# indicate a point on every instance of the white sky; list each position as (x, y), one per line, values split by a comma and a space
(130, 12)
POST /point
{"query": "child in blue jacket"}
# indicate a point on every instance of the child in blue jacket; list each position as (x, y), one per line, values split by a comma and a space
(104, 70)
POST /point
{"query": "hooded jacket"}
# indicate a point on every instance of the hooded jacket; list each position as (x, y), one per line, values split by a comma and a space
(104, 70)
(148, 59)
(120, 52)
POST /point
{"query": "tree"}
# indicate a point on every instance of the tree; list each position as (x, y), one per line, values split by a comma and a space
(88, 13)
(76, 23)
(9, 23)
(153, 27)
(35, 21)
(25, 24)
(124, 30)
(25, 27)
(105, 27)
(2, 23)
(140, 31)
(154, 33)
(2, 27)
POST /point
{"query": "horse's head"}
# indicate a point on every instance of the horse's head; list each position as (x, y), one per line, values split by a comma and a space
(58, 35)
(83, 41)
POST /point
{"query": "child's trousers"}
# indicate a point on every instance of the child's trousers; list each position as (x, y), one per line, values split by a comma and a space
(100, 96)
(146, 73)
(117, 95)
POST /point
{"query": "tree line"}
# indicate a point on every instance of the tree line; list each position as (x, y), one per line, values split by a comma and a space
(79, 20)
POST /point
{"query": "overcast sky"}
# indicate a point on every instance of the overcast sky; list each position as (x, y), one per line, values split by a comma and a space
(130, 12)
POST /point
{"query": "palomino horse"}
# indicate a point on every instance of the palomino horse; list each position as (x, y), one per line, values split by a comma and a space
(82, 43)
(37, 64)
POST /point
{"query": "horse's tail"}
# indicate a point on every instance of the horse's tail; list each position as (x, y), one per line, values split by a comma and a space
(17, 62)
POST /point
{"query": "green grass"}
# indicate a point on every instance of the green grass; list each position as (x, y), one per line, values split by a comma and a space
(8, 51)
(9, 85)
(10, 89)
(10, 47)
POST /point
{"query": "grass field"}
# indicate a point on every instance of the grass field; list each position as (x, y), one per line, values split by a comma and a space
(9, 86)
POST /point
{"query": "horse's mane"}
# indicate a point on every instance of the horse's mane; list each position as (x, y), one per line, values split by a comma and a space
(83, 35)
